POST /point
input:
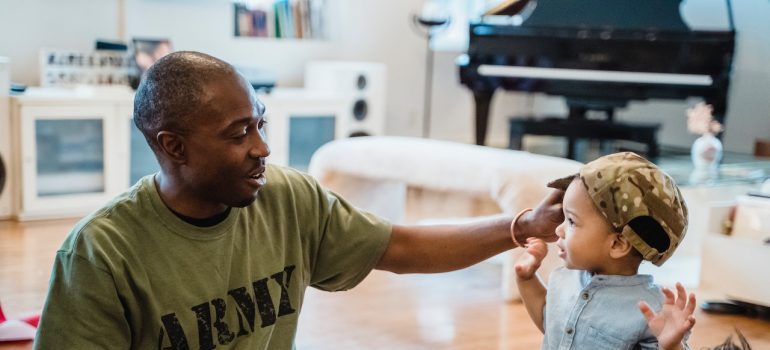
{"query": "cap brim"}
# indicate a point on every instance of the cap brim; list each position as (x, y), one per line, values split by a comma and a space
(562, 183)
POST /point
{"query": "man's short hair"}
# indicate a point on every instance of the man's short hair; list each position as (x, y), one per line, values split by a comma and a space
(172, 92)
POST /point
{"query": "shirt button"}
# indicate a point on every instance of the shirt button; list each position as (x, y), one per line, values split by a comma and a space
(585, 296)
(570, 330)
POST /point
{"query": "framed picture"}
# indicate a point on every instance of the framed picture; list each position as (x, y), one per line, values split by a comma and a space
(144, 53)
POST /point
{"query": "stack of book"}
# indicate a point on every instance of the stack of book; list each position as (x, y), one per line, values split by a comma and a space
(300, 19)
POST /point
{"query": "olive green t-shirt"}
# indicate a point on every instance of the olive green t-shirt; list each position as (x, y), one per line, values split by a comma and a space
(135, 276)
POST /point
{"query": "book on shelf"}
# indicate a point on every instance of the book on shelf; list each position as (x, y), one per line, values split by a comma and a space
(301, 19)
(253, 21)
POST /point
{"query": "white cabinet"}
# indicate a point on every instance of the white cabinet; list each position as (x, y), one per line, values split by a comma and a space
(734, 266)
(300, 121)
(71, 150)
(6, 186)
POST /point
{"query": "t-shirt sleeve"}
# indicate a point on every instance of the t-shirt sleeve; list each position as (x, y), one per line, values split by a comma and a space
(351, 244)
(82, 310)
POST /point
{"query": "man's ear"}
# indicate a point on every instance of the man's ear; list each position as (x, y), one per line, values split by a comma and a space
(620, 247)
(171, 145)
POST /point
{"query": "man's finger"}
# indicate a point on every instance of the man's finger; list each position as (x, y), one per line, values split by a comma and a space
(556, 197)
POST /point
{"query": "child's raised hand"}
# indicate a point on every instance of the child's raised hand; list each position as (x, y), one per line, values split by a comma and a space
(531, 260)
(674, 320)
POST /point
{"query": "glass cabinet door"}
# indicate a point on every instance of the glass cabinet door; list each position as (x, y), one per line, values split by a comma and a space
(73, 158)
(143, 161)
(306, 135)
(70, 156)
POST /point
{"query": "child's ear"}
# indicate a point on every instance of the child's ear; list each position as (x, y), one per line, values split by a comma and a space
(620, 247)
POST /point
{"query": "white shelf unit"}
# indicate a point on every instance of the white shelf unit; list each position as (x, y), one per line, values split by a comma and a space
(51, 184)
(71, 150)
(6, 185)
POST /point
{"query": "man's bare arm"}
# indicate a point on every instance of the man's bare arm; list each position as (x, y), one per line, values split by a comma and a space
(441, 248)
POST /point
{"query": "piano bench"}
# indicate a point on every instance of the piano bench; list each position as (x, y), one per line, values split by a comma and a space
(574, 129)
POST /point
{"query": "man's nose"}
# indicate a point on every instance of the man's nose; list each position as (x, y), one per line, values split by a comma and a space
(260, 148)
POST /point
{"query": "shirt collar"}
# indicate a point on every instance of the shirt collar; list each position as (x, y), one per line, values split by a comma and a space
(614, 280)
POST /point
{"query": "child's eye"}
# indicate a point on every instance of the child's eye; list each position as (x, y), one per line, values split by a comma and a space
(570, 222)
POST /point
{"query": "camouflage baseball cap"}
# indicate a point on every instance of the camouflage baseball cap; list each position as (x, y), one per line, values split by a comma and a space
(638, 199)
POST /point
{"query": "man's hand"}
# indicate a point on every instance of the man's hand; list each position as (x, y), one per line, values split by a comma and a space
(531, 260)
(674, 320)
(542, 221)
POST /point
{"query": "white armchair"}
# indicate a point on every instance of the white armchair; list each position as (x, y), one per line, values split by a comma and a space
(411, 180)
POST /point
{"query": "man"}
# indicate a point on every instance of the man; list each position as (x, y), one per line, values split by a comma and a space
(216, 249)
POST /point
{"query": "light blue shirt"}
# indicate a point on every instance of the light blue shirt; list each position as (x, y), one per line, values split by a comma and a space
(584, 311)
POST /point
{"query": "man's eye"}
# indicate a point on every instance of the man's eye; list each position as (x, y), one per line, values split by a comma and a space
(242, 134)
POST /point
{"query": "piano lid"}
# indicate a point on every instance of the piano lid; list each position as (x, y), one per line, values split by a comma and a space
(605, 14)
(507, 8)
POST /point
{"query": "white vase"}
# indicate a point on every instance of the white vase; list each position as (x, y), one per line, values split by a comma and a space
(706, 153)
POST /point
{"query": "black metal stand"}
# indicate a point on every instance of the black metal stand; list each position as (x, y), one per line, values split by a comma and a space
(428, 92)
(430, 26)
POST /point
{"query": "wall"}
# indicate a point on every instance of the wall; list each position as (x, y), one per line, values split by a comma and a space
(379, 31)
(359, 30)
(28, 26)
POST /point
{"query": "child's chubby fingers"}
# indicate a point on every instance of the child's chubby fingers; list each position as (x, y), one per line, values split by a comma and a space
(527, 265)
(681, 296)
(537, 248)
(524, 271)
(521, 269)
(668, 295)
(690, 308)
(646, 310)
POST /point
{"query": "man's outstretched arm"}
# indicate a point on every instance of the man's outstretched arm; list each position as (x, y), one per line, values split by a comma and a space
(441, 248)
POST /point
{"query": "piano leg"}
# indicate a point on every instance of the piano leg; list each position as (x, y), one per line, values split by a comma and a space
(516, 134)
(483, 99)
(571, 147)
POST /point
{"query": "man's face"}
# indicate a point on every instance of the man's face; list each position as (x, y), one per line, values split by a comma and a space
(226, 148)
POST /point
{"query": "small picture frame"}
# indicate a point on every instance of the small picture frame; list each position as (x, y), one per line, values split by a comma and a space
(144, 53)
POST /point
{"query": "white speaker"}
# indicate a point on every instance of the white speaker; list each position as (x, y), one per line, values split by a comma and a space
(299, 121)
(363, 83)
(6, 177)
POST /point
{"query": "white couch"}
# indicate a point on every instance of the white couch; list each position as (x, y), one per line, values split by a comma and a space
(413, 180)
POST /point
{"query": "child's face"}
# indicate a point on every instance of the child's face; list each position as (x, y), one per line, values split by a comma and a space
(585, 236)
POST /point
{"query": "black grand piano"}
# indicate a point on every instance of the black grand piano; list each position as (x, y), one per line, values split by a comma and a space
(599, 55)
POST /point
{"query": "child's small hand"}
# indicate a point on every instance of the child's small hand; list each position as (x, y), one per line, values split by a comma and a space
(531, 260)
(674, 320)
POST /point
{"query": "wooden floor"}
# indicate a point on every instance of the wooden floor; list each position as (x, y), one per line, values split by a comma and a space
(458, 310)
